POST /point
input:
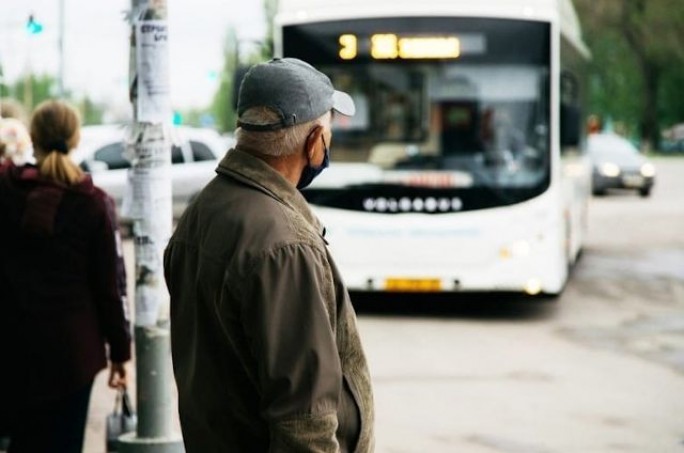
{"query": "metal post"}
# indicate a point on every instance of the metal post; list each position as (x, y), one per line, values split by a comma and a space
(148, 202)
(28, 80)
(60, 44)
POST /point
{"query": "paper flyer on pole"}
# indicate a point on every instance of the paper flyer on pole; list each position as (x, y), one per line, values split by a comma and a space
(152, 52)
(150, 289)
(147, 193)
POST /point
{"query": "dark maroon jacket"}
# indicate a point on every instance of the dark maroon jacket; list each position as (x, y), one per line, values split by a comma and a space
(62, 286)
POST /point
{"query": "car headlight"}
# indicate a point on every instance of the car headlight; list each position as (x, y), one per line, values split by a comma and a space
(648, 170)
(609, 169)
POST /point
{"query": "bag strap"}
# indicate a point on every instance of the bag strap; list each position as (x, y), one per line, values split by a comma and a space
(126, 405)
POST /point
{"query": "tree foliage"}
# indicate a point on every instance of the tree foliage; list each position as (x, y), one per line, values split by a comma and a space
(614, 95)
(222, 106)
(26, 93)
(270, 9)
(91, 112)
(33, 89)
(638, 46)
(237, 55)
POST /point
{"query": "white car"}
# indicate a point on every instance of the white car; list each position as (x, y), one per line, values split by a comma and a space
(194, 156)
(617, 164)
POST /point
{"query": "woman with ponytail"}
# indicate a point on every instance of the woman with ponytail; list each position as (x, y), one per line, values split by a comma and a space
(55, 132)
(62, 290)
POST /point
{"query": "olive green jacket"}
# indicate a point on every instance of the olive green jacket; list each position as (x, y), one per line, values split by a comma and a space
(266, 350)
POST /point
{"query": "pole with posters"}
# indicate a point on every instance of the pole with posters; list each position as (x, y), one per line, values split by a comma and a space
(148, 203)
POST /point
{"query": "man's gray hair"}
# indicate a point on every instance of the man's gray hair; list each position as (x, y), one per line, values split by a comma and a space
(281, 142)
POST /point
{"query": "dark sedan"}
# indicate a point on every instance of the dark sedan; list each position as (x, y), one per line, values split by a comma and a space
(617, 164)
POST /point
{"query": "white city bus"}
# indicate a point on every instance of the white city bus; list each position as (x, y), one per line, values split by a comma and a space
(462, 169)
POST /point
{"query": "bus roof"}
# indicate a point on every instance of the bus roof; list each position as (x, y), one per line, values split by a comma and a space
(560, 11)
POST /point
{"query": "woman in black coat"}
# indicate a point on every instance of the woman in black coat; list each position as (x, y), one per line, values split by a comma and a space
(62, 290)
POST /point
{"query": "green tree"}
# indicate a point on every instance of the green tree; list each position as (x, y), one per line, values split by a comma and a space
(671, 95)
(33, 89)
(236, 58)
(222, 105)
(270, 10)
(91, 112)
(653, 34)
(614, 93)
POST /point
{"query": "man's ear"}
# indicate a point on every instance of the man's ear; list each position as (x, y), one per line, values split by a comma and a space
(313, 140)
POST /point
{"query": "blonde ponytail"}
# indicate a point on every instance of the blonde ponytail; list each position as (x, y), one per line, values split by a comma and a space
(55, 131)
(60, 168)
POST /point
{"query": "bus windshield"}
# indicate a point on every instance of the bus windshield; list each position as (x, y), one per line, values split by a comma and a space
(452, 109)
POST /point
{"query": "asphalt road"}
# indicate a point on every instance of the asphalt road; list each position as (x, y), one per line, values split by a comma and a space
(600, 370)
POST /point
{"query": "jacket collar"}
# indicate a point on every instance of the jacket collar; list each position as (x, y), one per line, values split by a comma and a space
(43, 197)
(256, 173)
(29, 175)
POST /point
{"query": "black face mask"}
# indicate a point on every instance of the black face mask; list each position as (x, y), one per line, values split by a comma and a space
(310, 172)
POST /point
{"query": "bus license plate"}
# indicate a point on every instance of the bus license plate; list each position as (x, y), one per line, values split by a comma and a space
(413, 284)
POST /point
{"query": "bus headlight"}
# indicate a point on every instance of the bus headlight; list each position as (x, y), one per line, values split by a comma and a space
(533, 286)
(648, 170)
(609, 169)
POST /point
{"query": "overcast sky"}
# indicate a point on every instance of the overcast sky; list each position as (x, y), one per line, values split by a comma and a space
(96, 44)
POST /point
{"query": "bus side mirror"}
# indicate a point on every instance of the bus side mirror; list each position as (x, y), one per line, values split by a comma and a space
(570, 125)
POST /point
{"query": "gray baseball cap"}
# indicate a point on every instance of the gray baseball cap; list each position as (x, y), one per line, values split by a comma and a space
(294, 89)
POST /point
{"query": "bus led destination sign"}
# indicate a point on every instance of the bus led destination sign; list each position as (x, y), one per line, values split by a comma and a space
(389, 46)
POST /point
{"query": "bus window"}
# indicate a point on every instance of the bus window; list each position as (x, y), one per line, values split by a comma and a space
(570, 121)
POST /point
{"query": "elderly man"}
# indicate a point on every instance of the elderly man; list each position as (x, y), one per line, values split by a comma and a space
(266, 352)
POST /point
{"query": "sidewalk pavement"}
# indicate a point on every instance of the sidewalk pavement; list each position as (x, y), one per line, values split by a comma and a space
(101, 404)
(102, 397)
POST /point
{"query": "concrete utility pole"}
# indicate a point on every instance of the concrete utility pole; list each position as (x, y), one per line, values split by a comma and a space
(148, 202)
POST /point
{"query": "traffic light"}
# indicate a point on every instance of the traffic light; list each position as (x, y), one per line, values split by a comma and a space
(32, 26)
